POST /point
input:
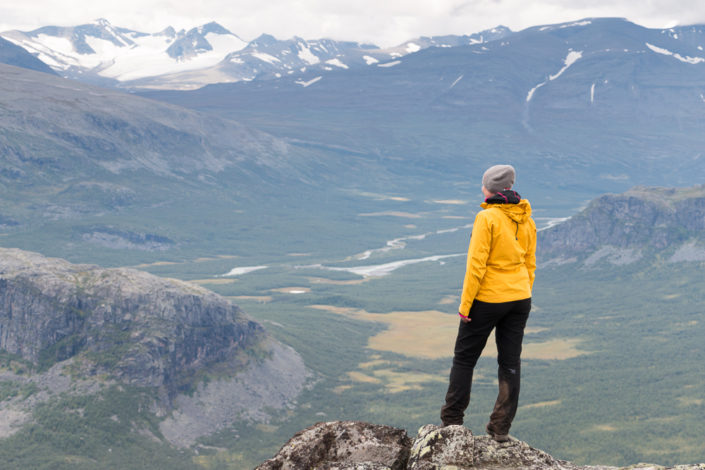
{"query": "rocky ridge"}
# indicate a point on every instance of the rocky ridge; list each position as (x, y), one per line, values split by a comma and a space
(353, 445)
(624, 228)
(78, 327)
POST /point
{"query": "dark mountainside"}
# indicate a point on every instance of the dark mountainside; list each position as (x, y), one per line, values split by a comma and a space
(12, 54)
(78, 329)
(349, 445)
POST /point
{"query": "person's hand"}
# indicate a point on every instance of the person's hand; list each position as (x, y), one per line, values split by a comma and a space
(464, 318)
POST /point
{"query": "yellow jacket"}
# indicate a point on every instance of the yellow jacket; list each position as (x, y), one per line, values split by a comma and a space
(502, 255)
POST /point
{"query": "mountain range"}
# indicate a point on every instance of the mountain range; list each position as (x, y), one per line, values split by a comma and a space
(101, 53)
(593, 106)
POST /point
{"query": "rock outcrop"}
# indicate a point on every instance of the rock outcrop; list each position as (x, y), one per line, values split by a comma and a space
(623, 228)
(343, 445)
(139, 328)
(352, 445)
(209, 364)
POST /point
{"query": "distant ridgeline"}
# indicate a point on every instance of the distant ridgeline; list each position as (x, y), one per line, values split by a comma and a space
(101, 53)
(624, 228)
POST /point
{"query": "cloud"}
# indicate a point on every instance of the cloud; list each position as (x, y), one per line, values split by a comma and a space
(385, 23)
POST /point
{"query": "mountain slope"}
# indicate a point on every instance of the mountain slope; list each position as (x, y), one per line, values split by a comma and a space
(85, 168)
(11, 54)
(624, 228)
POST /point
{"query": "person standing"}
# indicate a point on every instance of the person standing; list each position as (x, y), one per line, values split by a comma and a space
(496, 294)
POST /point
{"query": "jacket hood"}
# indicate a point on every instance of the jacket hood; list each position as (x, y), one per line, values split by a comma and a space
(519, 212)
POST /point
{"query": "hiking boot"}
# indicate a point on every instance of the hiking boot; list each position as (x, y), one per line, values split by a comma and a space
(497, 437)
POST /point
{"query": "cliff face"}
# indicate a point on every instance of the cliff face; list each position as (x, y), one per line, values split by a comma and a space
(137, 327)
(348, 445)
(623, 228)
(86, 324)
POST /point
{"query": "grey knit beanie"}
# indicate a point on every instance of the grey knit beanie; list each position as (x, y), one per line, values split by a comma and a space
(498, 177)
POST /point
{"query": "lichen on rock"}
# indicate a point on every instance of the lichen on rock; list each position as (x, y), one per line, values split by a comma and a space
(440, 447)
(337, 445)
(343, 445)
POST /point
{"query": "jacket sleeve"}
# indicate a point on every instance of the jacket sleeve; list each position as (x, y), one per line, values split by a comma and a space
(530, 258)
(478, 252)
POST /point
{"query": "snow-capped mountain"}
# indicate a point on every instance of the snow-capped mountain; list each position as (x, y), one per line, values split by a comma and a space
(99, 50)
(102, 53)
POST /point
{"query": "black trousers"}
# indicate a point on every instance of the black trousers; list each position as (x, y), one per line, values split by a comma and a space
(509, 320)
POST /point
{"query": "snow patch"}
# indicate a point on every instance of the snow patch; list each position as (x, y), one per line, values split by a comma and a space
(337, 63)
(370, 60)
(390, 64)
(264, 57)
(567, 25)
(225, 43)
(533, 90)
(686, 59)
(310, 82)
(577, 23)
(307, 56)
(569, 60)
(412, 47)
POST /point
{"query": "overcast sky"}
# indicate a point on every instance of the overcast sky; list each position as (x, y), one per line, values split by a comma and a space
(383, 22)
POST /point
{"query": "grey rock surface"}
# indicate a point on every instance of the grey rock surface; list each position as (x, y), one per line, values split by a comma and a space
(136, 327)
(343, 445)
(251, 396)
(330, 446)
(436, 447)
(623, 228)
